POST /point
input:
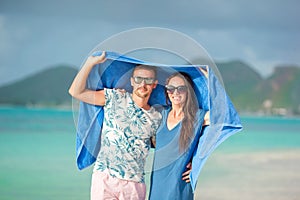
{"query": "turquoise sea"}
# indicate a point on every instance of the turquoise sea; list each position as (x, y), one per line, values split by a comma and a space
(37, 154)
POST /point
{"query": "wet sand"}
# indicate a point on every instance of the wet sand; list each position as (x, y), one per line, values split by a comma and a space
(267, 175)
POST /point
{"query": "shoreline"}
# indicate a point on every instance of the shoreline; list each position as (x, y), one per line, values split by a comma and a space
(69, 107)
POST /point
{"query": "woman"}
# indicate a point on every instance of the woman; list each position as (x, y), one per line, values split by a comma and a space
(173, 140)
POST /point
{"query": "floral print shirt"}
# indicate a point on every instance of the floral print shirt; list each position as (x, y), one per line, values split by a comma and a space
(125, 137)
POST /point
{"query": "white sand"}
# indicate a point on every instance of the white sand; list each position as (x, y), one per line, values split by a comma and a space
(264, 175)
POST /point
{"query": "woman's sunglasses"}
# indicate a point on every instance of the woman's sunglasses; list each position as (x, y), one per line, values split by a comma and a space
(180, 89)
(139, 80)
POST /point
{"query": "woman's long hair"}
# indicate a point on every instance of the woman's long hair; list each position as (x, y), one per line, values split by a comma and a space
(190, 109)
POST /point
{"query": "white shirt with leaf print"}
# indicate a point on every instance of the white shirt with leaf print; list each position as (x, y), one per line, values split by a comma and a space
(125, 137)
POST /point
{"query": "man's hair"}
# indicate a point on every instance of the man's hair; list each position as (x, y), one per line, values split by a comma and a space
(145, 67)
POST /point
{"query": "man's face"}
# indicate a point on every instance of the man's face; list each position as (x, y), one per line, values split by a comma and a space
(143, 82)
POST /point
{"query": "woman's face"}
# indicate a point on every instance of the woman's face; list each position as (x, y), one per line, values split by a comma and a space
(177, 91)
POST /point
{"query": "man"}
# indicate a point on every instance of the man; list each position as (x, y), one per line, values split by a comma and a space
(129, 123)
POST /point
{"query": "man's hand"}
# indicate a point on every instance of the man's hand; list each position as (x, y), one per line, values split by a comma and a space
(94, 60)
(78, 88)
(186, 174)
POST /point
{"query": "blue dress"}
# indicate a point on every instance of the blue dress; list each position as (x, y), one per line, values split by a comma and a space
(169, 164)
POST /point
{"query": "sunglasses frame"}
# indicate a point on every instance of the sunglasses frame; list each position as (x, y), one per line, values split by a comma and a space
(170, 89)
(148, 81)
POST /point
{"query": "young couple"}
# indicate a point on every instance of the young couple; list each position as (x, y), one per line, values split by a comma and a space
(130, 126)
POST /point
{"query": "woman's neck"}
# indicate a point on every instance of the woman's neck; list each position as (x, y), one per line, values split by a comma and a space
(177, 112)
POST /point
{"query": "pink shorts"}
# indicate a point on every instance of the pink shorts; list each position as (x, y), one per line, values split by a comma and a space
(106, 187)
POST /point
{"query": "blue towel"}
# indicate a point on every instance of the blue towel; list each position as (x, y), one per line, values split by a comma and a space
(116, 71)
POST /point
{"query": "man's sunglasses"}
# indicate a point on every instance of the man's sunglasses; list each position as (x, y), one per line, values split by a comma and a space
(180, 89)
(139, 80)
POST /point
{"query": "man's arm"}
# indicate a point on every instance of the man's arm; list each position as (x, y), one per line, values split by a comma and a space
(153, 141)
(78, 88)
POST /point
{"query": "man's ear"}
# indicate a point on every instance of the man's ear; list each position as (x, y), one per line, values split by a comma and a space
(131, 81)
(155, 84)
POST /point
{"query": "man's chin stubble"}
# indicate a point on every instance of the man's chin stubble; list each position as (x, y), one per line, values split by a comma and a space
(141, 95)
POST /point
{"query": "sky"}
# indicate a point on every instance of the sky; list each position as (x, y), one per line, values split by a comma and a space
(39, 34)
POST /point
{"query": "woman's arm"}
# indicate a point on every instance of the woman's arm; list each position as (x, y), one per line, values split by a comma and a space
(206, 121)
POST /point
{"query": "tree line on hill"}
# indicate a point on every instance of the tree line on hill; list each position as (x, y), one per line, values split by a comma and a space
(279, 94)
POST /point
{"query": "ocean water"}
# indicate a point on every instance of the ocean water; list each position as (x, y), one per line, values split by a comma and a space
(37, 151)
(265, 133)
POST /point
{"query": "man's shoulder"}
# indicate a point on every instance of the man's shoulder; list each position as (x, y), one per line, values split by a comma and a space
(158, 108)
(117, 93)
(161, 109)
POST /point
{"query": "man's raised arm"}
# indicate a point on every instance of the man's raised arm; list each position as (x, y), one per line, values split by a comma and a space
(78, 88)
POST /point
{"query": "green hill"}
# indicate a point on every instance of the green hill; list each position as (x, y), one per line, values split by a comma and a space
(283, 87)
(48, 87)
(248, 91)
(241, 83)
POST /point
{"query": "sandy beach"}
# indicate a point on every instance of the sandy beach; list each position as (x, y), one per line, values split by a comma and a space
(263, 175)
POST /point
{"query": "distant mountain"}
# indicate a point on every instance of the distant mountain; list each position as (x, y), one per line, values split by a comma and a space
(48, 87)
(278, 94)
(249, 92)
(283, 88)
(241, 83)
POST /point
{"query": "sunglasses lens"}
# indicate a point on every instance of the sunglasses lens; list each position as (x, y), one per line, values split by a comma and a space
(181, 89)
(149, 80)
(139, 80)
(170, 89)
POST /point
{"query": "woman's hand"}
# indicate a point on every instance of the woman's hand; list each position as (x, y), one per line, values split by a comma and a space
(186, 174)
